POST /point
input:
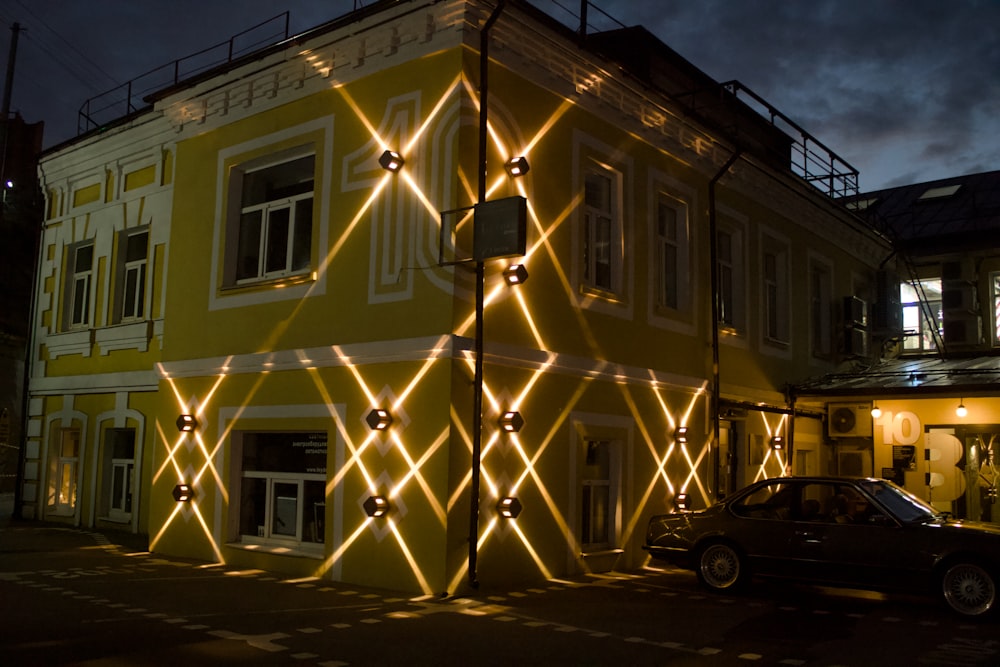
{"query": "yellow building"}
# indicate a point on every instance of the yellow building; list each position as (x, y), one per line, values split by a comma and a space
(258, 302)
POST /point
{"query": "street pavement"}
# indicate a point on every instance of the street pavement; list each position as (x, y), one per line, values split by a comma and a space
(81, 597)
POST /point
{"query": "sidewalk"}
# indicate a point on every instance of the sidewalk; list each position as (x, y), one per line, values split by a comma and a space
(119, 537)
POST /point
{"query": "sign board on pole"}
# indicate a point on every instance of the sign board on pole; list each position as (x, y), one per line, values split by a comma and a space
(500, 228)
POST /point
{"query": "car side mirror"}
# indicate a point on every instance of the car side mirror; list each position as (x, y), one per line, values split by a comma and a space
(880, 520)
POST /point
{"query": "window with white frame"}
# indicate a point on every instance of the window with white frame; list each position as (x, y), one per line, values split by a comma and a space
(118, 473)
(599, 491)
(602, 233)
(821, 309)
(923, 317)
(79, 284)
(731, 276)
(133, 252)
(671, 253)
(64, 467)
(283, 487)
(273, 224)
(775, 289)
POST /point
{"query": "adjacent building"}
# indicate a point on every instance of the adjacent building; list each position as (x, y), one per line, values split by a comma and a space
(318, 311)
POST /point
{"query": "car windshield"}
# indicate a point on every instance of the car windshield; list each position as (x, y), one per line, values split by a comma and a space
(901, 503)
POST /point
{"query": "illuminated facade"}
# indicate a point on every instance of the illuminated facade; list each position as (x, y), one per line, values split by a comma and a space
(257, 305)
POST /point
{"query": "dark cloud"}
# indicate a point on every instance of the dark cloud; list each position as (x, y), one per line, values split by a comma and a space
(904, 90)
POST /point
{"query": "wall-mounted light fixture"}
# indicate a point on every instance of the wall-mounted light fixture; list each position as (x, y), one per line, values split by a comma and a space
(509, 507)
(186, 423)
(379, 419)
(376, 506)
(517, 166)
(511, 421)
(876, 410)
(183, 493)
(515, 274)
(682, 502)
(391, 161)
(777, 442)
(961, 410)
(681, 434)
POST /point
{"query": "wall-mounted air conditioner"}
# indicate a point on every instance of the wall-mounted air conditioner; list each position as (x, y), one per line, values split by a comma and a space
(887, 315)
(964, 330)
(849, 420)
(855, 312)
(962, 297)
(856, 342)
(960, 269)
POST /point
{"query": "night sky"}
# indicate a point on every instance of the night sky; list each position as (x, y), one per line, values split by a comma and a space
(904, 90)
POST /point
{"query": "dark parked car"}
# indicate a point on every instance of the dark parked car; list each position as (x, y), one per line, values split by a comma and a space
(866, 533)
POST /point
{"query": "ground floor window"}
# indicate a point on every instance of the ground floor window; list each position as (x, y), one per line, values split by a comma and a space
(63, 469)
(118, 473)
(283, 487)
(599, 495)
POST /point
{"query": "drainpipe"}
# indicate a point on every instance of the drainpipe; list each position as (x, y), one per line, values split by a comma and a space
(477, 393)
(714, 262)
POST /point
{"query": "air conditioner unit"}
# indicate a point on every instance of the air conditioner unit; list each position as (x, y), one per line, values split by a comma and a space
(962, 297)
(855, 312)
(887, 314)
(856, 342)
(963, 330)
(962, 269)
(849, 420)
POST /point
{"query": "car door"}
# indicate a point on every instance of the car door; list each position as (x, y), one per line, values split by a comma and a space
(766, 525)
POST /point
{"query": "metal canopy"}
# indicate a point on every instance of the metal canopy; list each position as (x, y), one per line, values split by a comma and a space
(925, 377)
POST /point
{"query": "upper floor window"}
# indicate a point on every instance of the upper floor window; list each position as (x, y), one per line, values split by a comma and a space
(671, 254)
(131, 282)
(273, 229)
(602, 237)
(730, 268)
(775, 289)
(79, 287)
(821, 310)
(923, 317)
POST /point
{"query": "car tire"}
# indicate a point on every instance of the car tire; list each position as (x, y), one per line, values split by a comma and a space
(969, 588)
(721, 567)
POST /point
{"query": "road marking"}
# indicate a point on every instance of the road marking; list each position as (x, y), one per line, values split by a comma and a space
(263, 642)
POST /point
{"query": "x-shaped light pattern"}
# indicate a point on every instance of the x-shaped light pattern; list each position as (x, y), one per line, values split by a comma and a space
(772, 430)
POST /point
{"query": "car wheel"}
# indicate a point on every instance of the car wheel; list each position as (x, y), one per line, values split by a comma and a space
(720, 567)
(968, 588)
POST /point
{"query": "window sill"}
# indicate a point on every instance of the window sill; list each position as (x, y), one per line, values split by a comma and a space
(296, 551)
(282, 281)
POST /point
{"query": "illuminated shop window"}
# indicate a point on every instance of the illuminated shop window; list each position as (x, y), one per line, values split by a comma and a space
(118, 473)
(64, 467)
(917, 323)
(602, 237)
(282, 494)
(79, 285)
(272, 228)
(131, 271)
(995, 294)
(671, 254)
(731, 277)
(775, 289)
(599, 493)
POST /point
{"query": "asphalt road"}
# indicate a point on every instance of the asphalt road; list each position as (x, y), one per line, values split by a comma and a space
(76, 597)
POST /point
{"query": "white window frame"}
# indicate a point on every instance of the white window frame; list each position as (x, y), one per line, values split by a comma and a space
(679, 274)
(133, 276)
(775, 294)
(995, 300)
(271, 215)
(79, 286)
(732, 272)
(919, 337)
(600, 249)
(611, 486)
(65, 467)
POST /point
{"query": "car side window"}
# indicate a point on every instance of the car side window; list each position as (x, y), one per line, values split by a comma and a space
(771, 501)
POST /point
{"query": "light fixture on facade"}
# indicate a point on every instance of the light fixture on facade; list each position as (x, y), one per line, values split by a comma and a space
(517, 166)
(186, 423)
(777, 442)
(876, 410)
(681, 434)
(511, 421)
(961, 410)
(509, 507)
(515, 274)
(376, 506)
(682, 502)
(379, 419)
(391, 161)
(183, 493)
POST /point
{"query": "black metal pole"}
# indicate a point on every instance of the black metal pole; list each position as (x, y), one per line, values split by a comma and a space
(477, 392)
